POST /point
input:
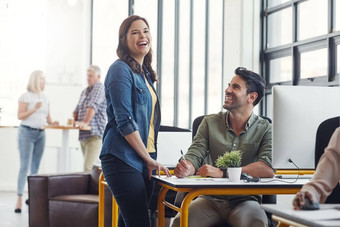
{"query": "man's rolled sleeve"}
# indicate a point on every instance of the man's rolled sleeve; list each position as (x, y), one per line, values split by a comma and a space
(265, 150)
(94, 106)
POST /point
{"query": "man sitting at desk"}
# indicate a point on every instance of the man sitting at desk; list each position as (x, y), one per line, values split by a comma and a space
(236, 129)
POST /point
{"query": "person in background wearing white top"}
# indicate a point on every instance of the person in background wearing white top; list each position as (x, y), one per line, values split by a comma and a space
(34, 113)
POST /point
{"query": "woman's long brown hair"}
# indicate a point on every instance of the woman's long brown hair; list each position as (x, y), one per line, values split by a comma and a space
(123, 51)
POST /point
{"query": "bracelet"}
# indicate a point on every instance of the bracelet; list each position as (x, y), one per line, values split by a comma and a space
(224, 172)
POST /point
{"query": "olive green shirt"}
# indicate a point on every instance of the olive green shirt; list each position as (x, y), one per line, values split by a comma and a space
(215, 137)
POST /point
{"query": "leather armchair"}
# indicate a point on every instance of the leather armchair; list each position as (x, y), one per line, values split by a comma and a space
(66, 200)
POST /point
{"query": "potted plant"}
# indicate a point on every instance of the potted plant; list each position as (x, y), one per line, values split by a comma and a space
(232, 162)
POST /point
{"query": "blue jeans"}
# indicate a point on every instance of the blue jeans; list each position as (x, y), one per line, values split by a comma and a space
(31, 144)
(131, 189)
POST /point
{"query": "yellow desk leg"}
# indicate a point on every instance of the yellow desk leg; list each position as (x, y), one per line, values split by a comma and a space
(185, 208)
(161, 207)
(114, 212)
(101, 201)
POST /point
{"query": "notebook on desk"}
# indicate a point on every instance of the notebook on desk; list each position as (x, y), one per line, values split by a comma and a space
(294, 176)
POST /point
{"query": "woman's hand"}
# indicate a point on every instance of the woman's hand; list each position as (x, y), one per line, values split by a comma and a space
(37, 105)
(152, 164)
(55, 123)
(300, 198)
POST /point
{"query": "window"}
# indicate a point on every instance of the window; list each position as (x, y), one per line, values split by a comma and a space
(167, 77)
(337, 14)
(272, 3)
(300, 44)
(312, 18)
(184, 64)
(199, 29)
(215, 83)
(280, 69)
(314, 63)
(280, 28)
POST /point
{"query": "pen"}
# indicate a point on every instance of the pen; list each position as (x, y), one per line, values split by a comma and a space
(182, 155)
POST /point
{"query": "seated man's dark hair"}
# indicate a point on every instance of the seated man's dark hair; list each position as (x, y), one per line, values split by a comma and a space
(254, 82)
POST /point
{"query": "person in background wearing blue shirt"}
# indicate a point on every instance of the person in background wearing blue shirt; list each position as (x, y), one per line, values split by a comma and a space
(129, 144)
(90, 111)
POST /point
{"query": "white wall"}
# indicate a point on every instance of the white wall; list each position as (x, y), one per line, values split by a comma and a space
(53, 36)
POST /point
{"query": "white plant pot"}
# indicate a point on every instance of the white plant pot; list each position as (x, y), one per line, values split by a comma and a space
(234, 174)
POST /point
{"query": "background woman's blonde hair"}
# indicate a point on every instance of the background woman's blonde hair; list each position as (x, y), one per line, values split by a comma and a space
(34, 81)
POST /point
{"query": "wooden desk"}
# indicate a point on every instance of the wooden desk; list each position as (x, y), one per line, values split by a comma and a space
(294, 171)
(215, 186)
(64, 152)
(7, 126)
(286, 216)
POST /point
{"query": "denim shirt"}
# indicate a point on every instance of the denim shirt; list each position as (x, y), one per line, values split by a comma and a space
(129, 107)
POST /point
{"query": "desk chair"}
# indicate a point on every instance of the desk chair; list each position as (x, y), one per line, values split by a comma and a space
(323, 135)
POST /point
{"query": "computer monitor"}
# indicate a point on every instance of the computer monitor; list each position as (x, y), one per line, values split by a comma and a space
(297, 113)
(170, 144)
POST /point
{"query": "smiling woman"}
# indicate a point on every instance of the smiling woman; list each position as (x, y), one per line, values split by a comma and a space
(129, 144)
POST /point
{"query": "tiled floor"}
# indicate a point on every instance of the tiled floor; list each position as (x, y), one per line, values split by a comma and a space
(9, 218)
(7, 215)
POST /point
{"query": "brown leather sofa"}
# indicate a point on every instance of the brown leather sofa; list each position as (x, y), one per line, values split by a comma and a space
(66, 200)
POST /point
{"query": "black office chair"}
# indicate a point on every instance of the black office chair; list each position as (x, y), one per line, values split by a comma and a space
(266, 199)
(196, 123)
(323, 135)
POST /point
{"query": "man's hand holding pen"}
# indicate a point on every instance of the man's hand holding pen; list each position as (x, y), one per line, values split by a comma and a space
(183, 167)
